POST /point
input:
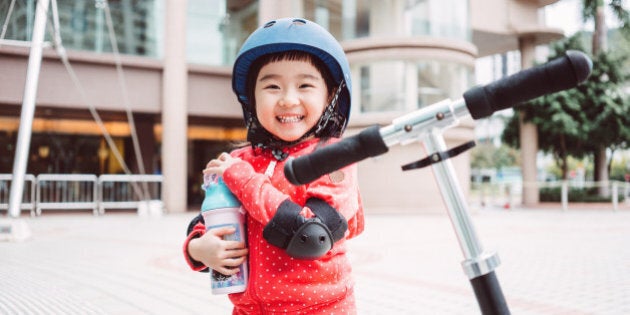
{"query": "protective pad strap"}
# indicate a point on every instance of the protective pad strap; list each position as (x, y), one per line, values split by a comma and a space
(335, 222)
(282, 227)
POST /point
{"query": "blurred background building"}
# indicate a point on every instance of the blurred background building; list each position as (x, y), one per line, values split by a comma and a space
(177, 57)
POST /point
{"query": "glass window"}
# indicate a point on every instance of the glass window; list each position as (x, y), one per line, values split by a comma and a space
(403, 85)
(439, 80)
(350, 19)
(382, 86)
(218, 28)
(344, 19)
(215, 28)
(438, 18)
(83, 24)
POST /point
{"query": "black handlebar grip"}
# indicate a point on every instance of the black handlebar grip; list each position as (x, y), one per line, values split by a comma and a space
(559, 74)
(307, 168)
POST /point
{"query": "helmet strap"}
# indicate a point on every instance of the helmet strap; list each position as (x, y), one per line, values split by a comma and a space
(331, 122)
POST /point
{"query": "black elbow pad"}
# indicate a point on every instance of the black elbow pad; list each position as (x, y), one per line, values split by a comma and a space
(305, 238)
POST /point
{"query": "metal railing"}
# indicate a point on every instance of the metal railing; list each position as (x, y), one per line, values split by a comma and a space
(611, 188)
(127, 191)
(28, 195)
(508, 194)
(66, 191)
(85, 191)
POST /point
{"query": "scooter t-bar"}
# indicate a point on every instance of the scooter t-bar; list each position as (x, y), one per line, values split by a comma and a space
(479, 102)
(427, 125)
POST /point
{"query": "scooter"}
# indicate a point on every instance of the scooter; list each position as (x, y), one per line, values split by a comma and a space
(427, 126)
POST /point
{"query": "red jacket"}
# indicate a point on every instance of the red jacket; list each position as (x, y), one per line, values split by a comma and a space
(278, 282)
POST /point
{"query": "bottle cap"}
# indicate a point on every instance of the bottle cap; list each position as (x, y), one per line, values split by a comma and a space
(218, 196)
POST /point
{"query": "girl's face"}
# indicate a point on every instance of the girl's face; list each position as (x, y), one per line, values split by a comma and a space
(290, 96)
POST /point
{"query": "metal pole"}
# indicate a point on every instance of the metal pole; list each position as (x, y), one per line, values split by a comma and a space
(478, 265)
(615, 195)
(564, 197)
(28, 108)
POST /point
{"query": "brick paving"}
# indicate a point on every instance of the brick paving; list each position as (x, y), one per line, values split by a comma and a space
(553, 262)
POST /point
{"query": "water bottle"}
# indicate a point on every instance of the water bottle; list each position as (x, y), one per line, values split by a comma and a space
(221, 208)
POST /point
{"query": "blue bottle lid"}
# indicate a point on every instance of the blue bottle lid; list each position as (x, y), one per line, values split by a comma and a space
(218, 196)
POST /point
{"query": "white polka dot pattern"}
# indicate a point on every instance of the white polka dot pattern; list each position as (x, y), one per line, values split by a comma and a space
(279, 283)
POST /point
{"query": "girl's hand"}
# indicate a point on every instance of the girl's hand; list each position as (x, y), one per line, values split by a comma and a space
(220, 164)
(216, 253)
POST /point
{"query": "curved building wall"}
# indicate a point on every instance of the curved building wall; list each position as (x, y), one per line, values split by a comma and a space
(404, 55)
(390, 82)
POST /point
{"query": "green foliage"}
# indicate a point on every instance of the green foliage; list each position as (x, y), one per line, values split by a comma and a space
(572, 164)
(604, 105)
(580, 122)
(575, 195)
(619, 169)
(510, 135)
(589, 10)
(486, 155)
(575, 122)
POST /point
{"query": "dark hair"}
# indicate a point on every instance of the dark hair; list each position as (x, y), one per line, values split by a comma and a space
(291, 55)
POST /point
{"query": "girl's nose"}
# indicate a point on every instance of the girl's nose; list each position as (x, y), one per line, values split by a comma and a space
(289, 98)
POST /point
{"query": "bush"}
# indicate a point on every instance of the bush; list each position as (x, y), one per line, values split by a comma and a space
(575, 195)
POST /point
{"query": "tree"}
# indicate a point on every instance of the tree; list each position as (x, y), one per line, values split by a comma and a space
(557, 117)
(487, 156)
(594, 10)
(580, 121)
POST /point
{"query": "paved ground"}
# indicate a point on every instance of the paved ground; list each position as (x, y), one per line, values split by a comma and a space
(553, 262)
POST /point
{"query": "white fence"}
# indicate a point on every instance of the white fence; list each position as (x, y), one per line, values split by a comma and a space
(128, 191)
(83, 191)
(66, 191)
(28, 195)
(509, 194)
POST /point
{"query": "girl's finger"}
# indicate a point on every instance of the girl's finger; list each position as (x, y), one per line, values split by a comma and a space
(236, 253)
(234, 262)
(222, 231)
(234, 245)
(227, 271)
(223, 156)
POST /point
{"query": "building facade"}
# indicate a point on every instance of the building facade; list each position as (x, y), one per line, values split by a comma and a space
(176, 61)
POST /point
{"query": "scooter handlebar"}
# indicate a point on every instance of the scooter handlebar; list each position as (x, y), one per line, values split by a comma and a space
(559, 74)
(307, 168)
(482, 101)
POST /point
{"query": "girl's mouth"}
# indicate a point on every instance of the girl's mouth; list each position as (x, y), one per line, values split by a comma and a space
(290, 119)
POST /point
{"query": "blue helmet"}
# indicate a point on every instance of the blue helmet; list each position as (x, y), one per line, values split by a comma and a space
(294, 34)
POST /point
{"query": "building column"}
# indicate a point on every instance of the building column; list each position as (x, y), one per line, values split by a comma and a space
(528, 134)
(144, 124)
(275, 9)
(175, 108)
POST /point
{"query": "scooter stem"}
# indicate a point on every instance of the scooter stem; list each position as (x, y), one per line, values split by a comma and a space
(478, 265)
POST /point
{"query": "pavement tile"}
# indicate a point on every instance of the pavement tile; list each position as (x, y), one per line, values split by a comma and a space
(553, 262)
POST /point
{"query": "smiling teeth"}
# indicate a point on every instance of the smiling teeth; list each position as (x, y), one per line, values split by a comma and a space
(289, 119)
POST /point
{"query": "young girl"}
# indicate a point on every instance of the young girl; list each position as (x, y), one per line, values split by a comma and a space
(293, 82)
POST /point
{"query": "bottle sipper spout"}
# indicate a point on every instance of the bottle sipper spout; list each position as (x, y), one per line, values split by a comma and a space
(217, 194)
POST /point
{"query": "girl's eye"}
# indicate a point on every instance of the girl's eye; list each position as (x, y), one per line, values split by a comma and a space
(306, 85)
(271, 87)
